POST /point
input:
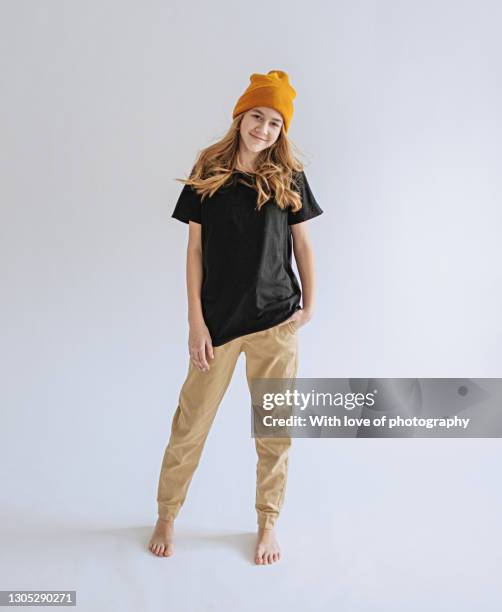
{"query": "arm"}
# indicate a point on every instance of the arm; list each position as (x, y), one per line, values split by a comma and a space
(199, 340)
(304, 256)
(194, 274)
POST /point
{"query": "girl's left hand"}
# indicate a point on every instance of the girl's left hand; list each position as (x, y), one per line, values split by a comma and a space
(300, 317)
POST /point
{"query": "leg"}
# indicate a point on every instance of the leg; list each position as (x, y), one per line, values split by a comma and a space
(271, 354)
(200, 396)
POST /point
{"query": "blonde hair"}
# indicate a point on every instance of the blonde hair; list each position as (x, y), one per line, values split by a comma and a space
(277, 169)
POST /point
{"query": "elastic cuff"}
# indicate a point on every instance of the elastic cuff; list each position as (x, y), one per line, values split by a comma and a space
(166, 514)
(167, 518)
(267, 521)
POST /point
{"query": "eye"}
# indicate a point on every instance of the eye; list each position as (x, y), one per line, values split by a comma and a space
(277, 125)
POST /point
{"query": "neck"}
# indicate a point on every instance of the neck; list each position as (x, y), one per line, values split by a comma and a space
(246, 161)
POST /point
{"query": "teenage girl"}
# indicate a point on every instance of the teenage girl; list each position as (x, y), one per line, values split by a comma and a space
(246, 202)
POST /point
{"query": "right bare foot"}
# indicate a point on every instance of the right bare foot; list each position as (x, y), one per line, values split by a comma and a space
(161, 542)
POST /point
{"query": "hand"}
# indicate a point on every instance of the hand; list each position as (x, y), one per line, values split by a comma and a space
(200, 346)
(300, 317)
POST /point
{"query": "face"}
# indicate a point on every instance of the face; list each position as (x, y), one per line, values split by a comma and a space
(260, 128)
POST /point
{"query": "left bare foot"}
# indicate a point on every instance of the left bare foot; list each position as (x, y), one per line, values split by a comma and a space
(267, 547)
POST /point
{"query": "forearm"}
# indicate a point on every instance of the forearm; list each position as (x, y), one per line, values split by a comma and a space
(194, 285)
(304, 256)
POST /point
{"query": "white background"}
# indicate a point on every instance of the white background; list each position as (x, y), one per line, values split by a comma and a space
(398, 117)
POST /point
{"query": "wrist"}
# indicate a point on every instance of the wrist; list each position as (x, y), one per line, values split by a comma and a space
(308, 311)
(196, 320)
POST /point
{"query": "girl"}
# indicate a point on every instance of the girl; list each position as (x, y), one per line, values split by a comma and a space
(246, 203)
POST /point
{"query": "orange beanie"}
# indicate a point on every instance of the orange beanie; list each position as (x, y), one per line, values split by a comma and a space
(273, 90)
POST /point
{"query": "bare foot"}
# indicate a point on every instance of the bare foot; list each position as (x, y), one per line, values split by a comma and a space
(267, 547)
(161, 542)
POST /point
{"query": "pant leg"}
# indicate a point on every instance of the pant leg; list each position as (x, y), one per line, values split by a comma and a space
(272, 353)
(199, 399)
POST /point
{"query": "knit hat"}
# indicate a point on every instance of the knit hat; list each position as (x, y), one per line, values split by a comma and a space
(273, 90)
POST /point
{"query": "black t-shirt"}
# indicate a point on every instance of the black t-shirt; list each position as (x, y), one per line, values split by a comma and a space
(248, 283)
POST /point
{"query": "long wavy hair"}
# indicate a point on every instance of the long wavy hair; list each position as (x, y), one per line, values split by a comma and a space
(277, 169)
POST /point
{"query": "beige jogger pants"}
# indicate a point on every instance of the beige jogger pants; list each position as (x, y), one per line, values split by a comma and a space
(271, 353)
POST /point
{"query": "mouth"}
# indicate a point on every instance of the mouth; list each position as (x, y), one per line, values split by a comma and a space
(260, 139)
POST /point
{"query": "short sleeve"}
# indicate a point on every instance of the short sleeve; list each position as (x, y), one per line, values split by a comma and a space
(310, 208)
(188, 206)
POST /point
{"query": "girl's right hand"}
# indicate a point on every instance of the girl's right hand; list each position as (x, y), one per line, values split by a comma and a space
(200, 346)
